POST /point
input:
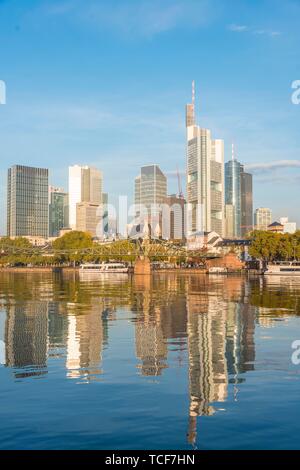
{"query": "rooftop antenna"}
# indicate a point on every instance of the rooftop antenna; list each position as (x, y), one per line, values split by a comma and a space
(232, 151)
(194, 101)
(193, 92)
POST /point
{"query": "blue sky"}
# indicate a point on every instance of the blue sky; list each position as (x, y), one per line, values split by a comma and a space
(106, 82)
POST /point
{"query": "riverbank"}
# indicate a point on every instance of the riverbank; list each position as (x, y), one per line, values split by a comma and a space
(50, 269)
(38, 269)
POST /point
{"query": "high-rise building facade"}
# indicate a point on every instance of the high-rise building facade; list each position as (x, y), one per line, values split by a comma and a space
(262, 218)
(105, 213)
(239, 196)
(85, 185)
(58, 210)
(233, 193)
(205, 177)
(150, 187)
(217, 186)
(150, 194)
(229, 221)
(27, 202)
(246, 203)
(174, 218)
(88, 218)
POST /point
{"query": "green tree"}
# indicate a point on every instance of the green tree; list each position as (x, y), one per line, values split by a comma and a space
(270, 246)
(71, 247)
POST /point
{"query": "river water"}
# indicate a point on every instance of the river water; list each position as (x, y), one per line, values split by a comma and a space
(164, 362)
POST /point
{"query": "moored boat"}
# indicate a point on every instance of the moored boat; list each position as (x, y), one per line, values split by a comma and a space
(104, 268)
(283, 269)
(217, 270)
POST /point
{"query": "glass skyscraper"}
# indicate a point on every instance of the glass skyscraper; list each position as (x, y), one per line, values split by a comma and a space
(150, 193)
(233, 193)
(205, 177)
(246, 203)
(27, 202)
(150, 187)
(238, 197)
(58, 211)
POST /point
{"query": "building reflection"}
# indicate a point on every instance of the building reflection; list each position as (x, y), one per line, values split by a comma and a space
(36, 331)
(150, 347)
(220, 343)
(2, 336)
(86, 336)
(27, 339)
(208, 318)
(160, 320)
(204, 322)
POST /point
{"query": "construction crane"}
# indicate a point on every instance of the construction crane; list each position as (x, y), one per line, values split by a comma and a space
(180, 192)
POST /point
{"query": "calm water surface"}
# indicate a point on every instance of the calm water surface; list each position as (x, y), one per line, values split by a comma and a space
(171, 361)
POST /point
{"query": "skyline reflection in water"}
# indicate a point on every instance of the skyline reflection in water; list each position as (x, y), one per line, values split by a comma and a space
(194, 332)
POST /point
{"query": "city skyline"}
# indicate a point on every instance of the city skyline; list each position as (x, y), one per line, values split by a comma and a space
(136, 84)
(150, 227)
(228, 189)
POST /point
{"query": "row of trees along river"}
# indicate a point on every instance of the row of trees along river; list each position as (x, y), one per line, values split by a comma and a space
(79, 247)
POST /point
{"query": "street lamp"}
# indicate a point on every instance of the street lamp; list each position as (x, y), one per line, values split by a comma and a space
(294, 244)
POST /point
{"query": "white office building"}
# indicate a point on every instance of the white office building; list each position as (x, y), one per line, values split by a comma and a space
(262, 218)
(288, 227)
(85, 185)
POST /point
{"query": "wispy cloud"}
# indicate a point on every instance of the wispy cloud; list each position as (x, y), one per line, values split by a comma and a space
(266, 32)
(135, 17)
(270, 166)
(280, 179)
(237, 28)
(263, 171)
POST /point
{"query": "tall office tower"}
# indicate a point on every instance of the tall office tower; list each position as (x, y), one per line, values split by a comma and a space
(233, 192)
(58, 210)
(262, 218)
(150, 193)
(85, 185)
(88, 218)
(137, 194)
(205, 177)
(217, 186)
(239, 195)
(229, 221)
(27, 202)
(174, 219)
(246, 202)
(105, 213)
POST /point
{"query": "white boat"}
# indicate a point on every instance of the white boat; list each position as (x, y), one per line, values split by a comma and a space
(217, 270)
(104, 268)
(283, 269)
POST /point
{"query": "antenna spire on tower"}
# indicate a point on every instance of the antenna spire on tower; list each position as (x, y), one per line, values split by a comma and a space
(190, 109)
(232, 151)
(193, 92)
